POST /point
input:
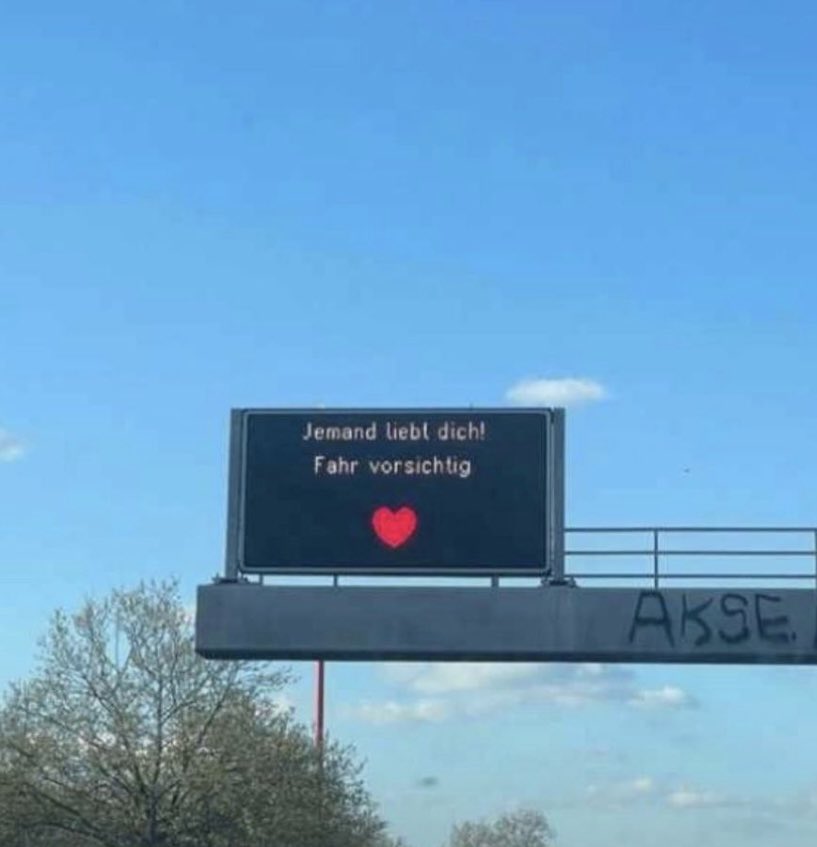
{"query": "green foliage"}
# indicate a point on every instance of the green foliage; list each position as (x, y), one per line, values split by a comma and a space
(524, 828)
(124, 737)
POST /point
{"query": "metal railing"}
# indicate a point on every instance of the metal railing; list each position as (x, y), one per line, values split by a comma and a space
(655, 553)
(653, 547)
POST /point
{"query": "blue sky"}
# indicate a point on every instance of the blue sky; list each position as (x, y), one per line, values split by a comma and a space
(362, 203)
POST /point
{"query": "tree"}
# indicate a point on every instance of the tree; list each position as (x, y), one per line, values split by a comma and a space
(523, 828)
(124, 737)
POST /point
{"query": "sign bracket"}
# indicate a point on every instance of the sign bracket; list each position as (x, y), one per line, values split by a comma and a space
(236, 461)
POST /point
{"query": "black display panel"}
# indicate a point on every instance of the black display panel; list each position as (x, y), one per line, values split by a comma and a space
(391, 491)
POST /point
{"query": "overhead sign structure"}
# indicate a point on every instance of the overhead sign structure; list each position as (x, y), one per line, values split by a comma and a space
(458, 492)
(396, 491)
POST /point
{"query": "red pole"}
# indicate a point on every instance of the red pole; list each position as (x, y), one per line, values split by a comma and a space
(319, 703)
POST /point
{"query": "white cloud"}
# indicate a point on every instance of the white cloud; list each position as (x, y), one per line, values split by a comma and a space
(11, 448)
(447, 678)
(686, 798)
(691, 798)
(666, 697)
(646, 789)
(422, 711)
(569, 391)
(641, 785)
(638, 790)
(439, 690)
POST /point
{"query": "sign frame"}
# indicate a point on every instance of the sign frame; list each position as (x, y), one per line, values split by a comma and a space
(553, 521)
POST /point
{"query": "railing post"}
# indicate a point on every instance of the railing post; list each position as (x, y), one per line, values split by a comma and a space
(655, 557)
(815, 558)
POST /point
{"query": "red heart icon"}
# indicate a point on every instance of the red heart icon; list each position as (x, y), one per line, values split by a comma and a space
(394, 528)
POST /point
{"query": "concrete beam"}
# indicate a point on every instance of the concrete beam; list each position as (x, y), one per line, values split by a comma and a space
(548, 624)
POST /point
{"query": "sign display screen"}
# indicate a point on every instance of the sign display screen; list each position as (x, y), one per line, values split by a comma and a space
(384, 491)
